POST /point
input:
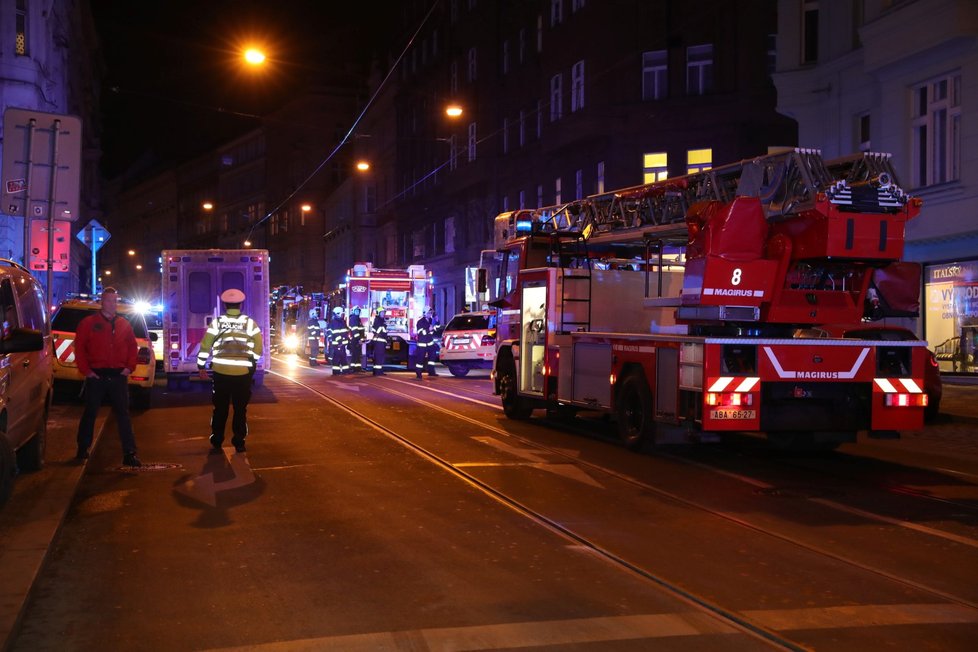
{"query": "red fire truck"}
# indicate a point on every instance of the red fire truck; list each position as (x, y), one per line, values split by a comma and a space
(403, 295)
(680, 307)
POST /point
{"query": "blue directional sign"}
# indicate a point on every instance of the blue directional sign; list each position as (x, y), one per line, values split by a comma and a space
(94, 235)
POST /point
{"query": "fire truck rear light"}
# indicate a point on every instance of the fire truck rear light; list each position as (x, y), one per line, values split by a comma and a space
(906, 400)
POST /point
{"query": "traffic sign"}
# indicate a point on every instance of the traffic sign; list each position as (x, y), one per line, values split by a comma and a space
(41, 164)
(93, 235)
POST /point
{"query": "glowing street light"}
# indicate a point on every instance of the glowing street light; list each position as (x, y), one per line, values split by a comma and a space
(363, 166)
(254, 56)
(453, 111)
(132, 252)
(207, 206)
(306, 208)
(247, 243)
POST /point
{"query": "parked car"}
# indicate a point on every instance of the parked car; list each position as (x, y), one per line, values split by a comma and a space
(469, 342)
(25, 374)
(933, 386)
(63, 327)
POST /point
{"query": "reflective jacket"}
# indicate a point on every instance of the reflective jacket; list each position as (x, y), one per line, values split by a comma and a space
(379, 328)
(337, 331)
(426, 333)
(233, 342)
(314, 329)
(356, 329)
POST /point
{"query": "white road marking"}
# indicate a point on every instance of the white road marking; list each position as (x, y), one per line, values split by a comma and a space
(583, 631)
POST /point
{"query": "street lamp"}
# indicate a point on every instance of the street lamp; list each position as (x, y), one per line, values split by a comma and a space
(207, 206)
(254, 56)
(363, 166)
(453, 111)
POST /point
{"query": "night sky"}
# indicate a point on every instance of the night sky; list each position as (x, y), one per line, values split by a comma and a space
(174, 83)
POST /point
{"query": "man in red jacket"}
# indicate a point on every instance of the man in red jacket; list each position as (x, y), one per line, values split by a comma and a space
(105, 352)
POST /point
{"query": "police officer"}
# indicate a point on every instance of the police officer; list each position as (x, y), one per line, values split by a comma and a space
(314, 331)
(338, 334)
(356, 340)
(233, 342)
(379, 328)
(425, 351)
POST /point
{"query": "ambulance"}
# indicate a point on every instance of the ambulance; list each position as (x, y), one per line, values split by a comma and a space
(193, 280)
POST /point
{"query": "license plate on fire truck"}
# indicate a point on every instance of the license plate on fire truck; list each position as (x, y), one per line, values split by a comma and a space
(733, 414)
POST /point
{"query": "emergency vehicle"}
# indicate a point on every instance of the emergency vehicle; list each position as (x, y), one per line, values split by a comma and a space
(403, 294)
(193, 280)
(676, 305)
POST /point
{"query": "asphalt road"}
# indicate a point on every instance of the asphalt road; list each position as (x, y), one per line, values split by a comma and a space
(398, 515)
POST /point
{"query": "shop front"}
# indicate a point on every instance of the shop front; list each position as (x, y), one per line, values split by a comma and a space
(951, 314)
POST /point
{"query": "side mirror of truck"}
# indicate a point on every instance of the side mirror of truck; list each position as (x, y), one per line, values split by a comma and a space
(21, 340)
(482, 280)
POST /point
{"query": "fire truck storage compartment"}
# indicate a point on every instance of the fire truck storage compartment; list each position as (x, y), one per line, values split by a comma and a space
(588, 368)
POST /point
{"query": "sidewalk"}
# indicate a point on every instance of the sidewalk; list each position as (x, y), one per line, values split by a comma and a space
(960, 399)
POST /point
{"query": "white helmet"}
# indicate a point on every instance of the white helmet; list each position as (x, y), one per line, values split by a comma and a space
(338, 310)
(233, 296)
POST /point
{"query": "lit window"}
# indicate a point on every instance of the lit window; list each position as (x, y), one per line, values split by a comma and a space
(936, 126)
(655, 167)
(698, 160)
(20, 28)
(557, 194)
(599, 186)
(655, 75)
(699, 69)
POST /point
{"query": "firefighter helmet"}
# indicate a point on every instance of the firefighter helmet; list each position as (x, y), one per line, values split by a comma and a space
(338, 310)
(232, 296)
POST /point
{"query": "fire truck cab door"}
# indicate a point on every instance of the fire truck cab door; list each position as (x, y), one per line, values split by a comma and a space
(533, 337)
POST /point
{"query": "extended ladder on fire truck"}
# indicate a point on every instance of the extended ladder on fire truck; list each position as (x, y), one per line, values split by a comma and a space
(737, 261)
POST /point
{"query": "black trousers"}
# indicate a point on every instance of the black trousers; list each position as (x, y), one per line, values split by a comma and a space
(116, 387)
(380, 356)
(230, 391)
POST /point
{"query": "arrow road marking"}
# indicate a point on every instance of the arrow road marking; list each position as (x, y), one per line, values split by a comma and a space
(204, 489)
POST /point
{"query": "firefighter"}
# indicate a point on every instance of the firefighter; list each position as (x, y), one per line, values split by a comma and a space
(356, 340)
(338, 335)
(314, 331)
(233, 342)
(379, 328)
(425, 351)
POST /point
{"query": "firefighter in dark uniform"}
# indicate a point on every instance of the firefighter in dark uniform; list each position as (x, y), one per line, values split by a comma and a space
(356, 340)
(379, 328)
(425, 352)
(233, 343)
(314, 330)
(338, 335)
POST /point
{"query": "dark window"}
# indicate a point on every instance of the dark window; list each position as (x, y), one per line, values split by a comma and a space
(468, 322)
(8, 307)
(32, 313)
(200, 299)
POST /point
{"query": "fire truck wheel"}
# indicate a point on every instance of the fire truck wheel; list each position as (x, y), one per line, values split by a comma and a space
(458, 370)
(514, 406)
(633, 409)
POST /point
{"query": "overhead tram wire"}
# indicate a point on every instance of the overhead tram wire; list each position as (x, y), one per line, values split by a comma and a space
(353, 127)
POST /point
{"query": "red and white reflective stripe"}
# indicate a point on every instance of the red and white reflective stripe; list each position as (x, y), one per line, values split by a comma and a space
(734, 384)
(64, 348)
(451, 345)
(888, 387)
